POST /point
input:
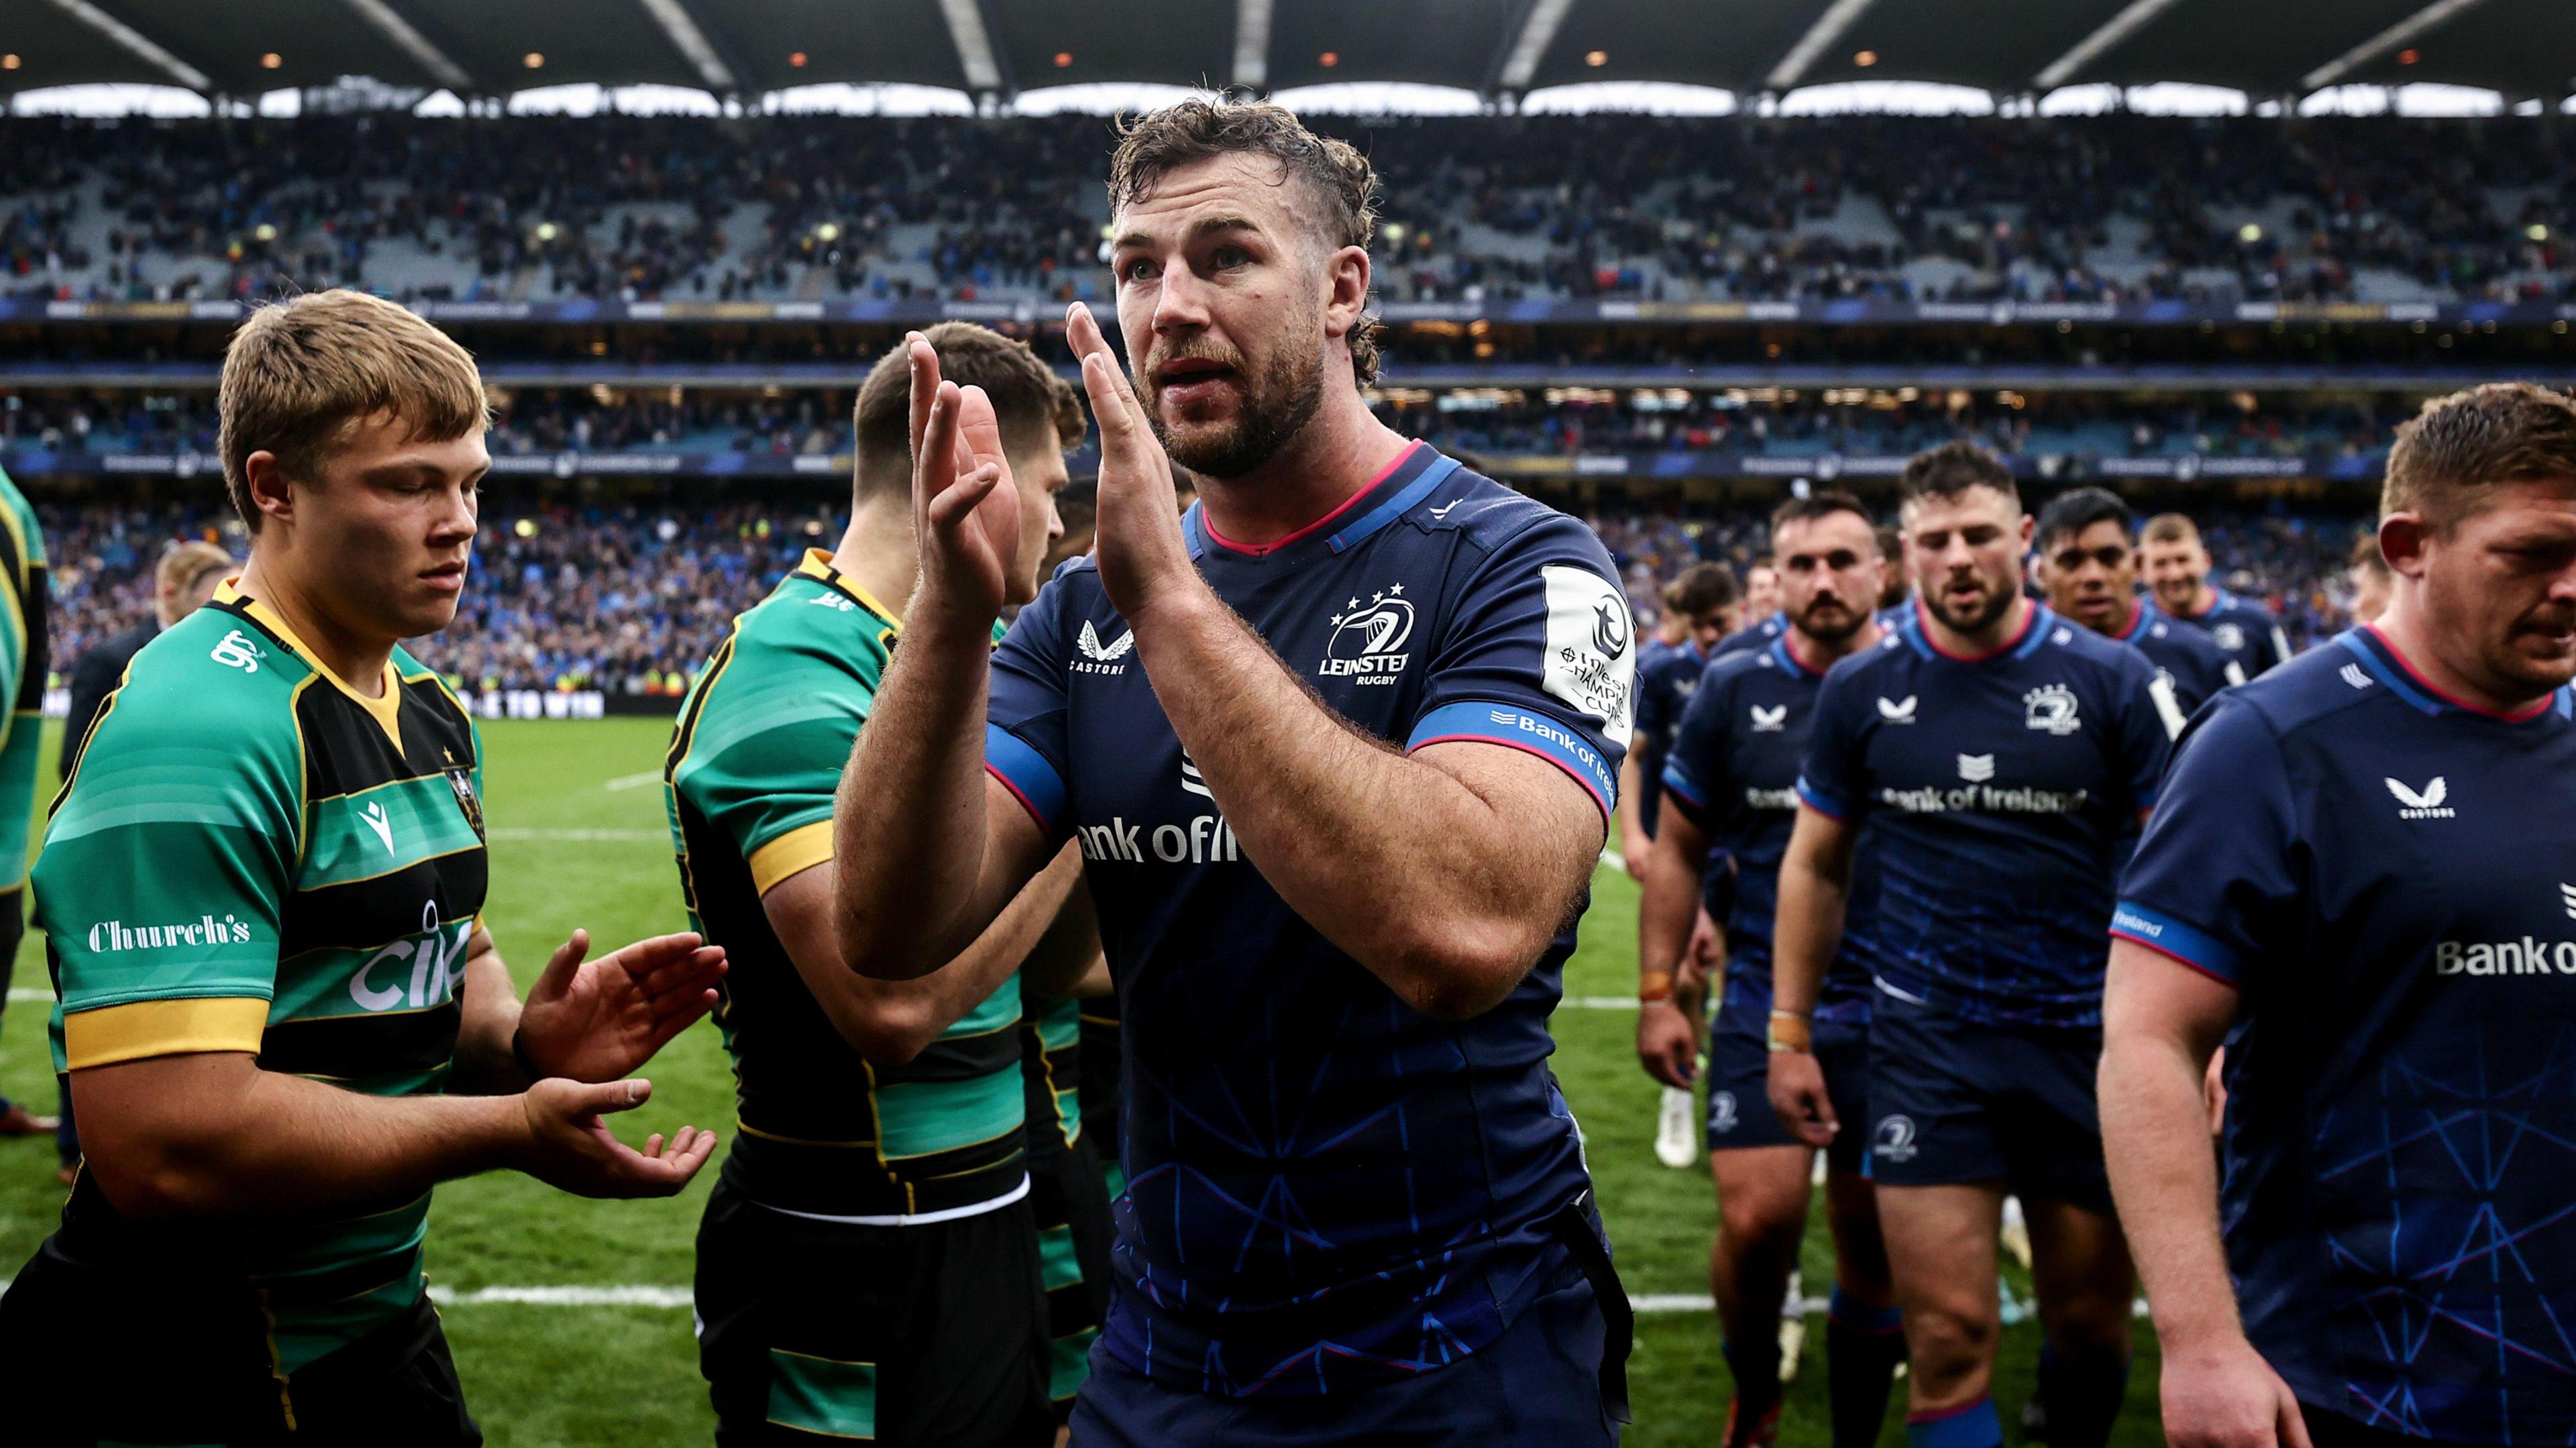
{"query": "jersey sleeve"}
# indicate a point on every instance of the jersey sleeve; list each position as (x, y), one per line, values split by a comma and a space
(1692, 771)
(1833, 774)
(1025, 744)
(2145, 719)
(2213, 870)
(162, 882)
(1539, 654)
(766, 758)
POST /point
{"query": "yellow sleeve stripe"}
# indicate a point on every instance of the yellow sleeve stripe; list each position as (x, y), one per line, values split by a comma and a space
(139, 1029)
(792, 853)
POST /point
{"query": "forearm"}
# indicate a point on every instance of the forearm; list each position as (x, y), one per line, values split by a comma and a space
(1668, 907)
(2155, 1137)
(901, 1018)
(1632, 785)
(249, 1142)
(916, 775)
(485, 1062)
(1417, 876)
(1809, 929)
(1069, 949)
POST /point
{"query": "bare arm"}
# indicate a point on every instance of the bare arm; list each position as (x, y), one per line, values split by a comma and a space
(1815, 886)
(2161, 1022)
(1634, 845)
(213, 1136)
(917, 772)
(890, 1022)
(1667, 1018)
(1444, 872)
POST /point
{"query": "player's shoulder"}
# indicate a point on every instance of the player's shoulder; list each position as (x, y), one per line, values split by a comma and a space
(2058, 639)
(213, 695)
(1883, 663)
(1731, 671)
(2238, 607)
(2183, 638)
(807, 624)
(1493, 519)
(2315, 691)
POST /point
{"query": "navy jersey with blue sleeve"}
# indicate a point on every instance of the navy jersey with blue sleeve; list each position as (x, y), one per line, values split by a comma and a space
(2384, 876)
(1664, 684)
(1325, 1188)
(2244, 630)
(1734, 773)
(1753, 637)
(2186, 657)
(2002, 787)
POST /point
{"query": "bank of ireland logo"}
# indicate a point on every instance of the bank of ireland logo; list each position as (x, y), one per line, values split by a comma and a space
(2424, 804)
(2567, 897)
(1100, 658)
(2051, 708)
(1976, 768)
(1894, 1139)
(1369, 639)
(1721, 1112)
(2353, 675)
(1897, 711)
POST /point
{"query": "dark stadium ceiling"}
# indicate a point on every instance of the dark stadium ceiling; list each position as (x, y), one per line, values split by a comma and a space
(2522, 48)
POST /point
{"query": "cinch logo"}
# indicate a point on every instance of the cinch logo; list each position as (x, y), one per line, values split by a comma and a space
(113, 937)
(2527, 956)
(1368, 641)
(1898, 711)
(437, 959)
(1098, 658)
(2425, 806)
(234, 651)
(1771, 720)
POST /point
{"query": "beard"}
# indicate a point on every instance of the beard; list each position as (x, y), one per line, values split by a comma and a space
(1999, 601)
(1276, 401)
(1830, 627)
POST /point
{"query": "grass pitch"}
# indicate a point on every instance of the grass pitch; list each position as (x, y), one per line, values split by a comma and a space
(579, 840)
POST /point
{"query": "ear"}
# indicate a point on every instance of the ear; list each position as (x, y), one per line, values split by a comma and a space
(270, 491)
(1346, 288)
(2403, 540)
(2029, 530)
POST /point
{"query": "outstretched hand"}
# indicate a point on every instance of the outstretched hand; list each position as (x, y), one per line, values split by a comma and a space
(598, 1020)
(570, 1146)
(1138, 544)
(965, 506)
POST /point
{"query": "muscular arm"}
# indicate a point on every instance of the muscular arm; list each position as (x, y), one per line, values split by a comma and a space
(890, 1022)
(1669, 904)
(2161, 1022)
(1634, 845)
(1445, 873)
(1815, 882)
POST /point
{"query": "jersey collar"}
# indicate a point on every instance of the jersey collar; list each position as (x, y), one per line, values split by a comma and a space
(1408, 480)
(2034, 631)
(2380, 659)
(386, 711)
(1787, 658)
(817, 564)
(2138, 620)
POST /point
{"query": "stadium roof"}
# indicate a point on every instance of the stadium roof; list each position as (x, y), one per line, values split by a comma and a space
(2521, 48)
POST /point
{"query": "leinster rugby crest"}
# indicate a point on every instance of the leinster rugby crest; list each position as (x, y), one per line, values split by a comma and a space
(2051, 708)
(1368, 641)
(461, 779)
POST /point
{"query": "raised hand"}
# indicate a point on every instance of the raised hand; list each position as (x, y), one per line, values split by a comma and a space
(600, 1020)
(965, 507)
(1141, 552)
(570, 1147)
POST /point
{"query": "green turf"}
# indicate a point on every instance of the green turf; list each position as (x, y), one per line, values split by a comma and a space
(545, 1375)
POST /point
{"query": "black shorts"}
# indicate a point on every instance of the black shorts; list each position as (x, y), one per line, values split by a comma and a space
(1070, 1201)
(1955, 1101)
(813, 1332)
(110, 1356)
(1739, 1084)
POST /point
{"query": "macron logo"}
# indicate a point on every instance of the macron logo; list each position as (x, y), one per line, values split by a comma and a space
(376, 819)
(2426, 805)
(1897, 711)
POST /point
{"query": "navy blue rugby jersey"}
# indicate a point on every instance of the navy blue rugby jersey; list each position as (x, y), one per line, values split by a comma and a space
(2244, 630)
(2184, 657)
(2385, 875)
(2002, 787)
(1325, 1188)
(1665, 680)
(1734, 773)
(1753, 637)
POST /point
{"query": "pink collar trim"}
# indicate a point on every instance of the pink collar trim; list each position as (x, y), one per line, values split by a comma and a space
(1207, 524)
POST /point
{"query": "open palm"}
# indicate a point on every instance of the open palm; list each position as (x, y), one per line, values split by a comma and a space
(966, 508)
(597, 1020)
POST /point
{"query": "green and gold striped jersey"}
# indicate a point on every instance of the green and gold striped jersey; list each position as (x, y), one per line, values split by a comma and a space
(1051, 1068)
(749, 782)
(24, 598)
(252, 856)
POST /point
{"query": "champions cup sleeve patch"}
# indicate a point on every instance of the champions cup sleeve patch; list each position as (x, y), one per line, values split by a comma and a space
(1591, 649)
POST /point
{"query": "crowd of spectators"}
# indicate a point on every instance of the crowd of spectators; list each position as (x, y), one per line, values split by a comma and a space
(631, 598)
(1485, 423)
(1494, 207)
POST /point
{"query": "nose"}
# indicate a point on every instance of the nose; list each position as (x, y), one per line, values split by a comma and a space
(1180, 302)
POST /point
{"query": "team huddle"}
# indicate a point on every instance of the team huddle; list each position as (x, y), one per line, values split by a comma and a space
(1263, 829)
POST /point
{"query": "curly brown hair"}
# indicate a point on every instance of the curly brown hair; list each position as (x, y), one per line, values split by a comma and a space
(1344, 184)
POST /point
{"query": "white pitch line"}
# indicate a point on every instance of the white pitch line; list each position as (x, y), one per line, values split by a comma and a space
(601, 836)
(29, 993)
(622, 1296)
(633, 781)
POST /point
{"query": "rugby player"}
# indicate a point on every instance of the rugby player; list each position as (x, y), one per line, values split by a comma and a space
(23, 597)
(1732, 777)
(2177, 568)
(1898, 591)
(2358, 876)
(869, 1261)
(1762, 597)
(2088, 571)
(2002, 754)
(2371, 580)
(262, 890)
(1341, 747)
